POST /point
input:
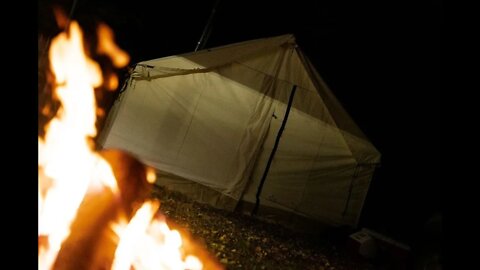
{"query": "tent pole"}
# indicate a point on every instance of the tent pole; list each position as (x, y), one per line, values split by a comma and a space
(350, 188)
(47, 43)
(207, 29)
(274, 150)
(72, 9)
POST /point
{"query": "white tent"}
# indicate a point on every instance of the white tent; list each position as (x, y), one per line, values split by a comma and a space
(209, 121)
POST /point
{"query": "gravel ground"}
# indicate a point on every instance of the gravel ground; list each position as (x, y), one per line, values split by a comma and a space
(242, 242)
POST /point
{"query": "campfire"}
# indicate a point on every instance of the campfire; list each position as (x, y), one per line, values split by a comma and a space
(94, 208)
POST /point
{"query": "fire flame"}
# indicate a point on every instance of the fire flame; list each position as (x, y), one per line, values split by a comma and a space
(148, 243)
(69, 168)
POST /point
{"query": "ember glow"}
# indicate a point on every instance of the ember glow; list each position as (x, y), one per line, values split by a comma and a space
(151, 175)
(69, 168)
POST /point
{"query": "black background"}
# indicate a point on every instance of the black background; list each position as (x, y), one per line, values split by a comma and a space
(382, 59)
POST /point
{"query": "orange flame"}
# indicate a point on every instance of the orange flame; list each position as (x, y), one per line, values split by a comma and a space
(69, 169)
(108, 47)
(148, 243)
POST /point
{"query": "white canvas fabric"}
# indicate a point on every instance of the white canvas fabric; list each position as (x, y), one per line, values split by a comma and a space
(212, 117)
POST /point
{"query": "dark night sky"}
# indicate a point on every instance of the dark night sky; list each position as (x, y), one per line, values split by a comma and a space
(382, 59)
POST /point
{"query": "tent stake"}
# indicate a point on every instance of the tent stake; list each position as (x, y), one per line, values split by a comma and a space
(274, 150)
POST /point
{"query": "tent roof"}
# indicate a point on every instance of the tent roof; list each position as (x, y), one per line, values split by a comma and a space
(246, 53)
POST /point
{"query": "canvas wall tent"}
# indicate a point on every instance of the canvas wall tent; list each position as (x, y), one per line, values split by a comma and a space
(210, 119)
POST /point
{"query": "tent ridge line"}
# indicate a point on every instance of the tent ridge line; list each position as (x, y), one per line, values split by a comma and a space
(178, 71)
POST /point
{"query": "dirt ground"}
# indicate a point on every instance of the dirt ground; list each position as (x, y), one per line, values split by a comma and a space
(242, 242)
